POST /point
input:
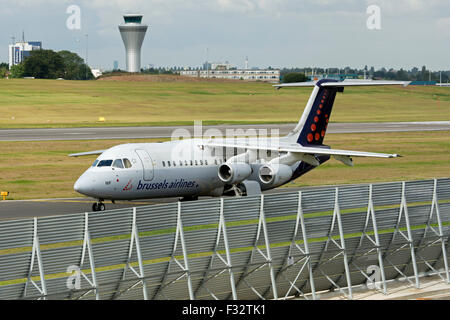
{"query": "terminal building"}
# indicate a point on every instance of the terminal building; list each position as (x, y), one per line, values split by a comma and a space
(227, 71)
(19, 51)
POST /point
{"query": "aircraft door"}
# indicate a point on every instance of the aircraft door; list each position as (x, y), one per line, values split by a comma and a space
(147, 164)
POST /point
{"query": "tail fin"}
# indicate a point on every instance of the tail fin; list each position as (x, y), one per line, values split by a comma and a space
(313, 124)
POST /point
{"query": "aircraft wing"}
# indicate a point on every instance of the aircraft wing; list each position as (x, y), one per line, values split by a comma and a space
(298, 149)
(90, 153)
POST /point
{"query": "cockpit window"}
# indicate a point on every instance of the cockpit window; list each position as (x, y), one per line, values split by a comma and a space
(105, 163)
(118, 163)
(127, 163)
(95, 163)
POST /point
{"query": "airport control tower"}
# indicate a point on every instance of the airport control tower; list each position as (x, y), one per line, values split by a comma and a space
(133, 34)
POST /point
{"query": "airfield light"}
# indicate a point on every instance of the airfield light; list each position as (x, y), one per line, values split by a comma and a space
(4, 194)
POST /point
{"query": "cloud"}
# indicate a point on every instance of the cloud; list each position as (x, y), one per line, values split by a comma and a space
(443, 26)
(400, 7)
(250, 6)
(180, 30)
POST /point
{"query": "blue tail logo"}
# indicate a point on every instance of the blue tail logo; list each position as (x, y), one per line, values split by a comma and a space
(316, 125)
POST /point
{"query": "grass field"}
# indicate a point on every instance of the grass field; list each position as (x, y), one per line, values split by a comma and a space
(32, 170)
(51, 103)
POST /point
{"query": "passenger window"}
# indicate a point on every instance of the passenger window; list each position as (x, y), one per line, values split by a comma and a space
(196, 163)
(201, 162)
(174, 164)
(168, 163)
(206, 162)
(181, 163)
(127, 163)
(118, 164)
(105, 163)
(164, 163)
(185, 163)
(192, 163)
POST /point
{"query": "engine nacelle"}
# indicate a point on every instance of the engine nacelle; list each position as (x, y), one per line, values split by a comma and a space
(232, 173)
(275, 174)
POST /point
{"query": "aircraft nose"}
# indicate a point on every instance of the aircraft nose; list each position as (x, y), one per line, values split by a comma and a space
(82, 185)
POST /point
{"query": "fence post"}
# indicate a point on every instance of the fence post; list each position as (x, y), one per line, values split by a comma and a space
(36, 252)
(344, 250)
(371, 211)
(88, 245)
(410, 239)
(435, 204)
(301, 219)
(180, 232)
(227, 250)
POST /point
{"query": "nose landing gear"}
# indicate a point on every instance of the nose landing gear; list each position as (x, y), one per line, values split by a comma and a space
(98, 206)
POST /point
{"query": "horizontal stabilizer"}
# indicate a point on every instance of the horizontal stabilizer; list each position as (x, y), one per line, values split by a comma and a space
(345, 83)
(90, 153)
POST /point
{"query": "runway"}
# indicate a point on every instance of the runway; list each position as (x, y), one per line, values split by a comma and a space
(166, 132)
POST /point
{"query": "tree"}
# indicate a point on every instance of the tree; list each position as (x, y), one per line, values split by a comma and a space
(17, 71)
(294, 77)
(4, 67)
(3, 72)
(424, 73)
(402, 75)
(44, 64)
(74, 67)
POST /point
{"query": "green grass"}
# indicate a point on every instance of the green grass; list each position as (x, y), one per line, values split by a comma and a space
(51, 103)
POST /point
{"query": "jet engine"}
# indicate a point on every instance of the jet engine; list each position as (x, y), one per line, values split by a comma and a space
(275, 174)
(232, 173)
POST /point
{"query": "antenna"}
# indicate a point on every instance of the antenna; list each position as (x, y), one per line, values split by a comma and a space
(207, 63)
(87, 65)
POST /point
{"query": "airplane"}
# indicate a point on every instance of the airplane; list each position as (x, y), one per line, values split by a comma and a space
(197, 167)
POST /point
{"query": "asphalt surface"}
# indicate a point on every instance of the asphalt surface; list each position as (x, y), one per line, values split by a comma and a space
(166, 132)
(22, 209)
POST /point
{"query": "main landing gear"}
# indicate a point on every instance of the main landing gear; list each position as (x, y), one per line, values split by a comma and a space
(190, 198)
(98, 206)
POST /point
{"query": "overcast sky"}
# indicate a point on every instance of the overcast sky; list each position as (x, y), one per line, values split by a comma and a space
(277, 33)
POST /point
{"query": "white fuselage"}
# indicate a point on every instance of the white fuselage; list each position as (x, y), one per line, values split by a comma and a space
(158, 170)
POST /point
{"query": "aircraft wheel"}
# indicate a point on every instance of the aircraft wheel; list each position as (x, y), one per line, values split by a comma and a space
(98, 206)
(190, 198)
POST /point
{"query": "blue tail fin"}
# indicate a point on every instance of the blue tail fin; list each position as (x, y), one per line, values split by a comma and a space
(313, 125)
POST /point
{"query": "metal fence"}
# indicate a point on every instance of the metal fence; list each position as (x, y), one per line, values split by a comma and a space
(262, 247)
